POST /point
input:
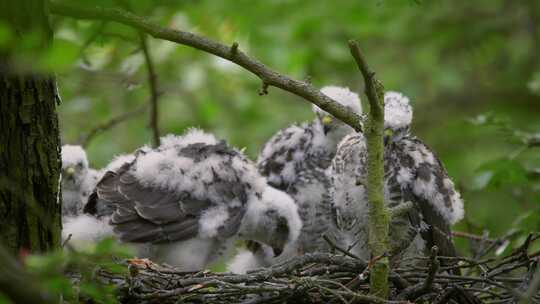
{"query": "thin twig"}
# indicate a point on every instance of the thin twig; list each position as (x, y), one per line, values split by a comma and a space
(85, 139)
(424, 287)
(336, 247)
(475, 237)
(154, 94)
(231, 53)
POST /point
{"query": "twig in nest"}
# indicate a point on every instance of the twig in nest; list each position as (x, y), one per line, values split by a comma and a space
(422, 288)
(336, 247)
(532, 290)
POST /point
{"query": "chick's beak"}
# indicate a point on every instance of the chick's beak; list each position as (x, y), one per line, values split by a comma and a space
(70, 171)
(326, 121)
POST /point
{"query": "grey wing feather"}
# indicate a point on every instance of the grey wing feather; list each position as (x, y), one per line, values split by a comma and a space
(154, 215)
(435, 198)
(278, 155)
(150, 214)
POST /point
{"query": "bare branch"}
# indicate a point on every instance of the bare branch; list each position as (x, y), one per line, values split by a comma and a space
(85, 139)
(470, 236)
(374, 88)
(233, 54)
(154, 94)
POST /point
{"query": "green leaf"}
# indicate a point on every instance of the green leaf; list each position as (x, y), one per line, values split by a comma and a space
(530, 221)
(504, 172)
(60, 56)
(5, 35)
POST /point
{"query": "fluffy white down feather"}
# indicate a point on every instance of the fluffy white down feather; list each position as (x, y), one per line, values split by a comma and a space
(164, 169)
(342, 95)
(191, 136)
(71, 154)
(77, 179)
(243, 262)
(398, 112)
(211, 220)
(85, 230)
(282, 203)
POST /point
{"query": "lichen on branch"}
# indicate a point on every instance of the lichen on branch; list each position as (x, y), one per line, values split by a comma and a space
(379, 217)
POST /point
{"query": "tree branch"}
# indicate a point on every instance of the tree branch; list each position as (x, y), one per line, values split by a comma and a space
(85, 139)
(231, 53)
(379, 216)
(154, 94)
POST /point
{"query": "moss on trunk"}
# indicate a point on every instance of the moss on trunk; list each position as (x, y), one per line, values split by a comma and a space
(29, 142)
(379, 216)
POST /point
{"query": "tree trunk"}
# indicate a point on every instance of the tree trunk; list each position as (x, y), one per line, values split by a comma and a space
(29, 141)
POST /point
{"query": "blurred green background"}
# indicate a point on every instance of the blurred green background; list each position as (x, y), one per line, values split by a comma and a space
(454, 59)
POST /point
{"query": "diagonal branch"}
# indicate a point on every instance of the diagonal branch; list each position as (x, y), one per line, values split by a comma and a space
(231, 53)
(85, 139)
(154, 95)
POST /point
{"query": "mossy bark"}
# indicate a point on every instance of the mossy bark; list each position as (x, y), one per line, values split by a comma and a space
(29, 142)
(378, 214)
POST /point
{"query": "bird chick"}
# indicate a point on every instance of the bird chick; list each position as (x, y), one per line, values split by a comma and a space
(412, 173)
(186, 202)
(295, 160)
(78, 180)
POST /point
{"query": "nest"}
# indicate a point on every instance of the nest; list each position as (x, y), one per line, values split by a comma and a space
(340, 278)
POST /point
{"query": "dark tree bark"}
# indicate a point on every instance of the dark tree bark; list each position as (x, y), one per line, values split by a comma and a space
(29, 140)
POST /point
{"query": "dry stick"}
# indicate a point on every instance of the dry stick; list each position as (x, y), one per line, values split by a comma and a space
(379, 216)
(533, 288)
(85, 139)
(154, 94)
(344, 251)
(421, 289)
(475, 237)
(231, 53)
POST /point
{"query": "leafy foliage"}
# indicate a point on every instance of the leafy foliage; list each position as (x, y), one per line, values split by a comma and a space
(71, 274)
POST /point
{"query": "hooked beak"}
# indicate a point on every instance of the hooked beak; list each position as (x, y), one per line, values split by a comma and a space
(388, 135)
(277, 251)
(326, 121)
(70, 171)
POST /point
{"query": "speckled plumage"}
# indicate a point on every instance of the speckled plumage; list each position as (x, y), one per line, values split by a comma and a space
(412, 173)
(295, 160)
(188, 200)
